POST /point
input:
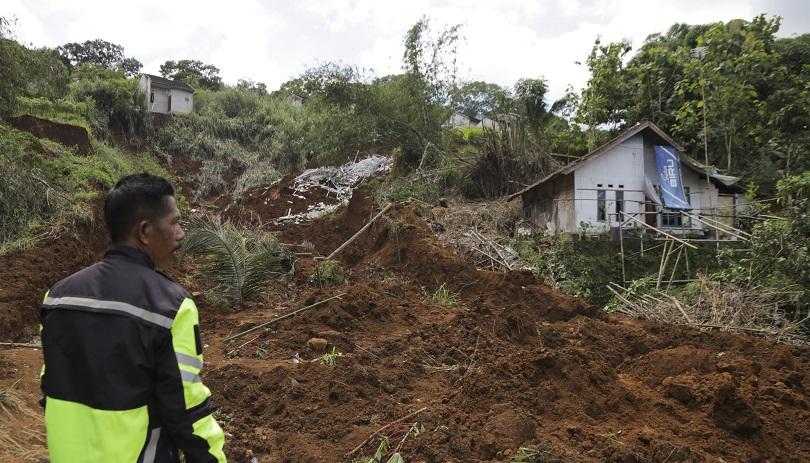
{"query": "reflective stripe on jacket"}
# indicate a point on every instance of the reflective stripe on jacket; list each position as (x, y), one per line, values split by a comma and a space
(122, 367)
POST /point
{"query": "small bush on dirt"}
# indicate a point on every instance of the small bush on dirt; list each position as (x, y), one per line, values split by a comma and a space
(419, 185)
(241, 261)
(444, 296)
(327, 273)
(24, 199)
(256, 175)
(329, 358)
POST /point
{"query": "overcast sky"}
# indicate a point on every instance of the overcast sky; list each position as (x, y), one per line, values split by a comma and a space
(273, 41)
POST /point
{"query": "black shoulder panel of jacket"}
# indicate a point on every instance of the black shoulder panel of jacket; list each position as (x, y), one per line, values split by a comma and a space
(102, 327)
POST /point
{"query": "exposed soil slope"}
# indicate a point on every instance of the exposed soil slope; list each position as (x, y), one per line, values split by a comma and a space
(512, 363)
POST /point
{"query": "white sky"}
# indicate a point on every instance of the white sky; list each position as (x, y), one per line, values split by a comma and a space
(273, 41)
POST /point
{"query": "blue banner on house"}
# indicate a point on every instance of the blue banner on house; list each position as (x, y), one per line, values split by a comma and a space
(669, 169)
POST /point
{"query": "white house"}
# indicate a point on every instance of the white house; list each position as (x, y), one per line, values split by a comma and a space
(458, 119)
(167, 96)
(622, 176)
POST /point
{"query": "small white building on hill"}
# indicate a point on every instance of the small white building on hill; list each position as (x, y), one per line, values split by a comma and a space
(167, 96)
(642, 173)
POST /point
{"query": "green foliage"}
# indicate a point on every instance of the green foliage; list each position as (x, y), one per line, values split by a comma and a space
(12, 75)
(255, 175)
(779, 253)
(24, 199)
(421, 186)
(530, 98)
(478, 97)
(60, 110)
(241, 261)
(39, 185)
(327, 273)
(193, 72)
(117, 100)
(329, 358)
(603, 99)
(96, 52)
(444, 296)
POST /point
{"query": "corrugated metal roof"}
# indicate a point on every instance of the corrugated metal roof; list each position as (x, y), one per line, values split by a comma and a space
(168, 83)
(619, 139)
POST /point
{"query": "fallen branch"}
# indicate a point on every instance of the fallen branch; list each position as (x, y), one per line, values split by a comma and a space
(359, 232)
(21, 344)
(282, 317)
(399, 420)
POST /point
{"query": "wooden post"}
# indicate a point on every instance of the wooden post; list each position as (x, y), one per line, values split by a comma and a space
(621, 247)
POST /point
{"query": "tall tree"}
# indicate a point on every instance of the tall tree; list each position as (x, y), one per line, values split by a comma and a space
(729, 75)
(193, 72)
(603, 100)
(98, 52)
(479, 97)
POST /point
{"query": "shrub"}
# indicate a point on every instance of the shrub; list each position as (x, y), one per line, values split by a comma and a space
(239, 260)
(256, 175)
(327, 273)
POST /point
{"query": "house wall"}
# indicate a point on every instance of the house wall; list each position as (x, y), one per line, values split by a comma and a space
(182, 101)
(160, 103)
(620, 169)
(550, 206)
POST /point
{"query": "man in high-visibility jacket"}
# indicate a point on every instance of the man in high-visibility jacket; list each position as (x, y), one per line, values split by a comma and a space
(122, 345)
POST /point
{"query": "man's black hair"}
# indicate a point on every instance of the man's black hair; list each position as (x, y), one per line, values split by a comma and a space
(135, 198)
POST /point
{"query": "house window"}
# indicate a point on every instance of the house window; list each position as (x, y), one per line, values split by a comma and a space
(619, 205)
(186, 99)
(671, 219)
(527, 211)
(601, 208)
(152, 97)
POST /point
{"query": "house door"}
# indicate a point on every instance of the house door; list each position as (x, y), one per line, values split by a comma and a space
(726, 209)
(170, 103)
(650, 212)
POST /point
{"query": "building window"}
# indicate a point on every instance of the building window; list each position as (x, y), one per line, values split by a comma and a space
(619, 205)
(152, 97)
(186, 99)
(527, 212)
(601, 208)
(671, 219)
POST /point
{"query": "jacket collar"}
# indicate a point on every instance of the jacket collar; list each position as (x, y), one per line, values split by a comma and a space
(129, 253)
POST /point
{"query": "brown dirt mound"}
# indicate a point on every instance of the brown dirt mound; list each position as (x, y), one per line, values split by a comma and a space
(26, 275)
(513, 364)
(264, 204)
(65, 134)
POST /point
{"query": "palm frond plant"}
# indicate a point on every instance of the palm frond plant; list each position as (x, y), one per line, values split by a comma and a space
(240, 260)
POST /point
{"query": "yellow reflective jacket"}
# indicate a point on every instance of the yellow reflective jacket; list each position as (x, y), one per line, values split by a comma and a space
(122, 368)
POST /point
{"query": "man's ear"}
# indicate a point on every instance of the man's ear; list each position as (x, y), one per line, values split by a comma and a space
(144, 231)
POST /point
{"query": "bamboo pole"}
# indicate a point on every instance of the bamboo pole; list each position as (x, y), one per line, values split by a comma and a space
(359, 232)
(282, 317)
(663, 232)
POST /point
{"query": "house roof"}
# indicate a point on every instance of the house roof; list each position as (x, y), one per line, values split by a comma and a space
(168, 83)
(621, 138)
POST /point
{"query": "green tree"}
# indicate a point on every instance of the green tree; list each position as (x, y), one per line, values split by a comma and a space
(603, 100)
(98, 52)
(429, 62)
(730, 77)
(479, 97)
(530, 96)
(248, 85)
(12, 75)
(193, 72)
